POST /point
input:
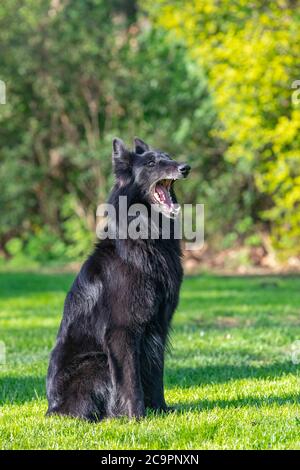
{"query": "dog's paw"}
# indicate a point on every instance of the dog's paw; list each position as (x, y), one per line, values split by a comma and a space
(163, 409)
(170, 409)
(137, 411)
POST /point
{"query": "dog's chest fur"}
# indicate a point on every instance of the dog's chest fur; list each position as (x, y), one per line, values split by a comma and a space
(141, 279)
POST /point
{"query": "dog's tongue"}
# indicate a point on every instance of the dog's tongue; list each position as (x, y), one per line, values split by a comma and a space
(163, 194)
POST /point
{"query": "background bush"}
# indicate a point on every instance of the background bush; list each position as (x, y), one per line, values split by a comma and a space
(249, 51)
(207, 81)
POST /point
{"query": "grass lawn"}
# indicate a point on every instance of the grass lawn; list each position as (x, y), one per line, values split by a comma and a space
(230, 373)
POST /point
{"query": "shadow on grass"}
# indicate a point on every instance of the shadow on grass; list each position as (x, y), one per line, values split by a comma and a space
(14, 284)
(265, 279)
(186, 377)
(18, 390)
(250, 401)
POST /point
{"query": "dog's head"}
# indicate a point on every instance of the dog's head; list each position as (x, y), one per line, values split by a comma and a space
(153, 172)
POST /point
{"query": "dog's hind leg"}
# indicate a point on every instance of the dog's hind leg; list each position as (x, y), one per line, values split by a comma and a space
(82, 390)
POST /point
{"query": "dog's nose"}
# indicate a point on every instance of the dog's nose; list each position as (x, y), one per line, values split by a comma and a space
(184, 169)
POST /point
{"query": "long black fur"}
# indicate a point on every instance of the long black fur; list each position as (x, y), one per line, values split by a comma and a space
(109, 355)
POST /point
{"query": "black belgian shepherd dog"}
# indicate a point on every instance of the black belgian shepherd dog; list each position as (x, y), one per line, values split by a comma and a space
(109, 355)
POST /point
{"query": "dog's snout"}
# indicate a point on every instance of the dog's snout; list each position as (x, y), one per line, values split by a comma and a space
(184, 169)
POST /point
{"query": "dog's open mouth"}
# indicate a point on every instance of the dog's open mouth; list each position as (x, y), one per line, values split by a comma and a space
(161, 195)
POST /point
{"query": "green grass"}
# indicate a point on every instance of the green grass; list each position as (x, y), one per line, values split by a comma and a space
(230, 373)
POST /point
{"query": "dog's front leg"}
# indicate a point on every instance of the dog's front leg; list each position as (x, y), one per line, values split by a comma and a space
(153, 373)
(123, 349)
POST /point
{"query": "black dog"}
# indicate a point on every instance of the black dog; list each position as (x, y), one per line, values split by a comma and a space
(109, 355)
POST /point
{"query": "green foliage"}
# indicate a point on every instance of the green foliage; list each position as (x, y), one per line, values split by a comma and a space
(79, 240)
(78, 73)
(208, 81)
(44, 246)
(230, 376)
(249, 51)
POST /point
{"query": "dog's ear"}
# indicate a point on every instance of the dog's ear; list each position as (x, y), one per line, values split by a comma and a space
(140, 146)
(121, 157)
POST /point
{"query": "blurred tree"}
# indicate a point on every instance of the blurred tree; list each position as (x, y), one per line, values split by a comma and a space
(78, 73)
(250, 53)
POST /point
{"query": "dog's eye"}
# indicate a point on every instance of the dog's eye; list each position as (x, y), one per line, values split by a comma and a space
(151, 163)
